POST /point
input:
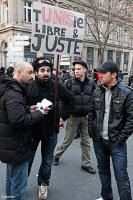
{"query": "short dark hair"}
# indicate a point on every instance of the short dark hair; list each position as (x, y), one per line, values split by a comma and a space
(10, 71)
(2, 70)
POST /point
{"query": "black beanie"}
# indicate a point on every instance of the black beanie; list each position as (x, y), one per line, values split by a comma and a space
(42, 62)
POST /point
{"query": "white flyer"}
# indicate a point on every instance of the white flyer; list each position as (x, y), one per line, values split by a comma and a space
(43, 104)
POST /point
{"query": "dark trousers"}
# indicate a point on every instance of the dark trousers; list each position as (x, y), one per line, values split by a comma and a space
(47, 150)
(104, 150)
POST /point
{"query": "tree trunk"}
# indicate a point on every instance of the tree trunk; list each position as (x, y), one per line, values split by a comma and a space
(101, 58)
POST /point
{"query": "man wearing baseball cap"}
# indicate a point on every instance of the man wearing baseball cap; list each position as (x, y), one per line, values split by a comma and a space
(82, 88)
(110, 124)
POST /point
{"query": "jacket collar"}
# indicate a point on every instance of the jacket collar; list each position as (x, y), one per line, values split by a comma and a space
(9, 82)
(86, 79)
(112, 87)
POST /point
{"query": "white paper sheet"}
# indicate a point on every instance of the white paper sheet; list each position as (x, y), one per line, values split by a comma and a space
(43, 104)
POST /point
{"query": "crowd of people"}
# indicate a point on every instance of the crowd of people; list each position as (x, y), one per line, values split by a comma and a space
(97, 104)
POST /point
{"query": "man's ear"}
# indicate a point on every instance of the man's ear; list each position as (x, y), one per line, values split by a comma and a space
(85, 70)
(19, 72)
(35, 72)
(114, 75)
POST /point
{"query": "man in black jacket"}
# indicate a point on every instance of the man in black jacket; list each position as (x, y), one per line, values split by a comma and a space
(110, 124)
(82, 87)
(15, 123)
(44, 87)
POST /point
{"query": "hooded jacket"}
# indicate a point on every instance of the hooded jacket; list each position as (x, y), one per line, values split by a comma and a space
(15, 123)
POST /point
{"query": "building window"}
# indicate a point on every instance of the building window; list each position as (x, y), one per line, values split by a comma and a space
(64, 62)
(27, 11)
(77, 58)
(126, 57)
(118, 58)
(110, 56)
(126, 36)
(4, 54)
(5, 12)
(90, 57)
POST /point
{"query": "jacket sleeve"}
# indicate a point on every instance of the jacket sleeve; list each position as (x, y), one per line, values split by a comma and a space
(67, 104)
(93, 84)
(91, 118)
(68, 84)
(128, 127)
(17, 116)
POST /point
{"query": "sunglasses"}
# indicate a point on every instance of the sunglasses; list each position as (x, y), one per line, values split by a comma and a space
(44, 61)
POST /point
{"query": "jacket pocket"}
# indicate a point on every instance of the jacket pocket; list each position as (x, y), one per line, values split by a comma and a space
(118, 104)
(98, 104)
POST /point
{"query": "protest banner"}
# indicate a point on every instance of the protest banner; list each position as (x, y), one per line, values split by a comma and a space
(57, 30)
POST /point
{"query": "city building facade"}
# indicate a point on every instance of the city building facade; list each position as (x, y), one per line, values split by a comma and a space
(15, 34)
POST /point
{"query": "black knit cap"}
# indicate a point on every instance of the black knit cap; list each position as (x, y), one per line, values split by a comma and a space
(108, 67)
(42, 62)
(81, 63)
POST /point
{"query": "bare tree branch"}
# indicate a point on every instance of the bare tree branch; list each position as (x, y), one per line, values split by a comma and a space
(104, 17)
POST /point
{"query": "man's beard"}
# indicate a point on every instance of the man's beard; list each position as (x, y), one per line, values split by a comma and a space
(43, 81)
(45, 78)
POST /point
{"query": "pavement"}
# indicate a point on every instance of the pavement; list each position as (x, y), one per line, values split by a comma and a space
(68, 180)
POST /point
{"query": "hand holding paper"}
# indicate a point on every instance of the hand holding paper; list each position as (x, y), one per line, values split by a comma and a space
(44, 106)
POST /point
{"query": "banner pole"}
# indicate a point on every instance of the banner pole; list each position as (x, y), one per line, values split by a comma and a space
(57, 66)
(56, 89)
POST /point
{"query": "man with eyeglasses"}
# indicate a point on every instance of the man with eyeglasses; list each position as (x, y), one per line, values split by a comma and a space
(46, 131)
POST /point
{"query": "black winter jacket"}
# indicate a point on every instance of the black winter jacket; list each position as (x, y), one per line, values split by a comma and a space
(36, 92)
(15, 123)
(82, 92)
(120, 125)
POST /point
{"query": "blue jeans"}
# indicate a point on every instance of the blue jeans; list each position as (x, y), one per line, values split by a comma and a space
(47, 151)
(104, 150)
(16, 181)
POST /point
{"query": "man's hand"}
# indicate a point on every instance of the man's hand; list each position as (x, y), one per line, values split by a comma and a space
(61, 124)
(46, 110)
(32, 108)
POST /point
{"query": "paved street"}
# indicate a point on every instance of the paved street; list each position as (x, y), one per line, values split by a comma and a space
(68, 181)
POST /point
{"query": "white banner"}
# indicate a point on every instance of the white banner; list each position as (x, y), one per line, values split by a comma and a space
(57, 30)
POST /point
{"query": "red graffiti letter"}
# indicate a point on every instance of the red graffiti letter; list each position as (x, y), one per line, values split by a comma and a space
(46, 15)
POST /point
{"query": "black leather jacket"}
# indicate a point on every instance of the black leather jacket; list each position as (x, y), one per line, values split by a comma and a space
(120, 125)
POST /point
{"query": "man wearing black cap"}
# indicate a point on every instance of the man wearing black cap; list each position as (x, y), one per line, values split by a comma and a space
(82, 87)
(46, 131)
(110, 124)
